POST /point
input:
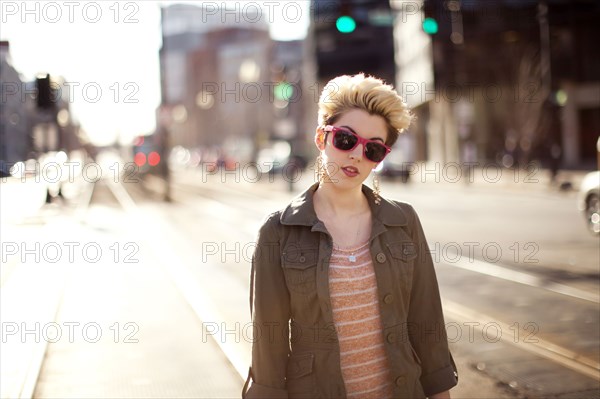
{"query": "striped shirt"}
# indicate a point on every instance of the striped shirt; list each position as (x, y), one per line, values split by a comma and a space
(353, 291)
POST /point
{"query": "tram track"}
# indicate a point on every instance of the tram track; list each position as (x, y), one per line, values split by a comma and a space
(544, 348)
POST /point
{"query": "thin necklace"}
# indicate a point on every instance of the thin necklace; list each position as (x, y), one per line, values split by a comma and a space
(352, 258)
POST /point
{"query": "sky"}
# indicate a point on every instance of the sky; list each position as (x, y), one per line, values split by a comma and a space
(107, 51)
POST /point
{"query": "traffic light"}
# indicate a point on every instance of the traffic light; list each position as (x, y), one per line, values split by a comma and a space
(283, 91)
(44, 92)
(430, 26)
(345, 24)
(353, 36)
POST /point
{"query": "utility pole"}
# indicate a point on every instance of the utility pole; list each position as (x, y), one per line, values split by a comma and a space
(545, 47)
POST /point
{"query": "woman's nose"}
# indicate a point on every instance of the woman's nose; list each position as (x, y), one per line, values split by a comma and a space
(357, 152)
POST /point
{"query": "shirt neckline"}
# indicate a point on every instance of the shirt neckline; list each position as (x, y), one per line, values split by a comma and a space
(350, 249)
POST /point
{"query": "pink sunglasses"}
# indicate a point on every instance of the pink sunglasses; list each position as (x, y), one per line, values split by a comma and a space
(346, 140)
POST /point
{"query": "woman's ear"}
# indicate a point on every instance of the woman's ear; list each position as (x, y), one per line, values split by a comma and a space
(320, 138)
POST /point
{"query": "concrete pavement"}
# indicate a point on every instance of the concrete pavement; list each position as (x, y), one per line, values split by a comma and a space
(102, 322)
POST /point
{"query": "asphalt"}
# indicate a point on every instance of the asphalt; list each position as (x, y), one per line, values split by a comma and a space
(135, 331)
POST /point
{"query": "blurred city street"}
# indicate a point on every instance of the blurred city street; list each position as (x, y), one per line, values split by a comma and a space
(129, 296)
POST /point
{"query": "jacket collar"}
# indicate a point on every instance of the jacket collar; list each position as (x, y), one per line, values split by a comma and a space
(301, 210)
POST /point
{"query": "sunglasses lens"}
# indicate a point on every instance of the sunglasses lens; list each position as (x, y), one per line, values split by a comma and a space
(375, 152)
(344, 140)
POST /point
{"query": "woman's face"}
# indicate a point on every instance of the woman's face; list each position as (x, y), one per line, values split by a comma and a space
(350, 168)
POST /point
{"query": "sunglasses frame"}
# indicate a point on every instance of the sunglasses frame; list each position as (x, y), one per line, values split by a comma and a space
(360, 140)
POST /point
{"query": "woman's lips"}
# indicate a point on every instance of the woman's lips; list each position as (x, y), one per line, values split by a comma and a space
(350, 171)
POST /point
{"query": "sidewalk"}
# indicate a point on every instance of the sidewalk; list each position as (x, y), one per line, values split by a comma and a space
(20, 199)
(487, 177)
(122, 329)
(532, 179)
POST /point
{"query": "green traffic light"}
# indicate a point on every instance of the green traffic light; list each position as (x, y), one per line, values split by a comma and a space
(283, 91)
(345, 24)
(430, 26)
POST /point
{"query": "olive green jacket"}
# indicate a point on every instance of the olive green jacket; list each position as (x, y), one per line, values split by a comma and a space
(295, 352)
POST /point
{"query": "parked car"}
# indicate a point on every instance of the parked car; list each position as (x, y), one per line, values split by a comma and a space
(392, 168)
(589, 200)
(273, 157)
(399, 162)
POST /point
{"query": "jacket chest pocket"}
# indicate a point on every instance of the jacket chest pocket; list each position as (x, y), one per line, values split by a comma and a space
(403, 255)
(300, 269)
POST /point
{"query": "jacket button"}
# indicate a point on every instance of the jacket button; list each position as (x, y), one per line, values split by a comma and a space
(380, 257)
(406, 251)
(400, 381)
(302, 259)
(388, 299)
(391, 338)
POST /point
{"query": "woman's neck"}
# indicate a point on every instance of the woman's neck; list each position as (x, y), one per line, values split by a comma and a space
(331, 202)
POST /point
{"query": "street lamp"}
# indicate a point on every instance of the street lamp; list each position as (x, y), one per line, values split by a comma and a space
(205, 100)
(179, 114)
(544, 46)
(249, 71)
(62, 118)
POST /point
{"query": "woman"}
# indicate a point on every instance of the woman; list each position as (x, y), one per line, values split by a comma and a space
(344, 295)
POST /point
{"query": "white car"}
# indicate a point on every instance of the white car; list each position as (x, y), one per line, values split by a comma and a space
(589, 200)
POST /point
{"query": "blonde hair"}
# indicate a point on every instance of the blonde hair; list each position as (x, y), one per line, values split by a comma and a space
(367, 93)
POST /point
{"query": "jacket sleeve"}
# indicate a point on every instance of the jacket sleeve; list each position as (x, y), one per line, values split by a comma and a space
(270, 310)
(426, 328)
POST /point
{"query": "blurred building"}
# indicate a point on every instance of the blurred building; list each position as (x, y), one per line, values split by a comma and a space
(35, 116)
(503, 81)
(414, 78)
(15, 138)
(215, 78)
